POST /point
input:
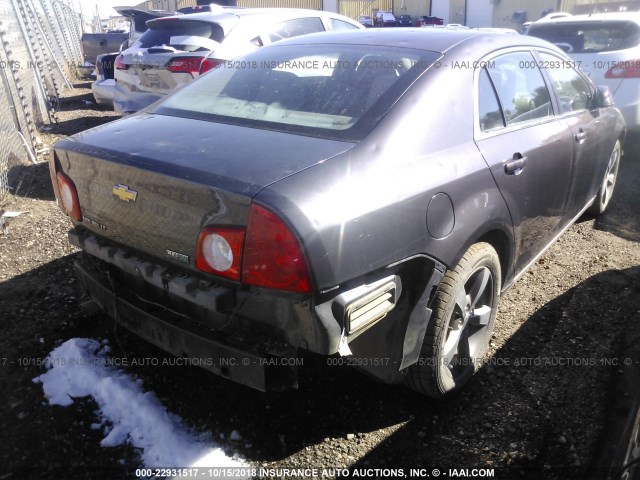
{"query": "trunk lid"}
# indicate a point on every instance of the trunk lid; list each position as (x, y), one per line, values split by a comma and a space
(149, 69)
(167, 39)
(152, 182)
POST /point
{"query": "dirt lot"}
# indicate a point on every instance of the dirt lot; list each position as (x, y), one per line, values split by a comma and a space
(549, 402)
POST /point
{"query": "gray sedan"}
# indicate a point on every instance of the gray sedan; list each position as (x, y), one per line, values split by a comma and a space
(363, 195)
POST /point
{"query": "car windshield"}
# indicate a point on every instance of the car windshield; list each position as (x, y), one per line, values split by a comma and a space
(329, 91)
(163, 31)
(589, 37)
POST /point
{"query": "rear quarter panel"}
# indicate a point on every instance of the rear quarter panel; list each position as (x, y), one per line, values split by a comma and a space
(367, 208)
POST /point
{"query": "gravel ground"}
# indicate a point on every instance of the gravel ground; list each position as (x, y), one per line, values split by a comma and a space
(548, 403)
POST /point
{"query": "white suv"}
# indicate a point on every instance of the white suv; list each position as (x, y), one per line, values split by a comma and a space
(177, 49)
(606, 47)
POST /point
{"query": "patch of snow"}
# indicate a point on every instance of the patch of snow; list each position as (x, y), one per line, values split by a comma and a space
(80, 368)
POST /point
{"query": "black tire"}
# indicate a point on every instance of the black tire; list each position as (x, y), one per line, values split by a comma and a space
(464, 311)
(608, 183)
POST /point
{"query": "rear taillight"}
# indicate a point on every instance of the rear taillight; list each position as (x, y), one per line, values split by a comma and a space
(219, 251)
(210, 64)
(189, 65)
(624, 69)
(119, 63)
(272, 256)
(268, 255)
(68, 196)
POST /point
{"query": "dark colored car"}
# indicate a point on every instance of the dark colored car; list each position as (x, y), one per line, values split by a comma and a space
(306, 198)
(405, 21)
(425, 20)
(366, 20)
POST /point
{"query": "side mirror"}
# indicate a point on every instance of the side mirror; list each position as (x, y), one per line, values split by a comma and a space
(603, 97)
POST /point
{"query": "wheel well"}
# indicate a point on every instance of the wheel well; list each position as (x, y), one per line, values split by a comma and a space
(498, 240)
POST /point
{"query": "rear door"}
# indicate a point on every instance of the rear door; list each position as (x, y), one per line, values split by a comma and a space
(528, 149)
(575, 107)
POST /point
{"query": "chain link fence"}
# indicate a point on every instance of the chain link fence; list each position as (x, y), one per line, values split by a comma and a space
(40, 42)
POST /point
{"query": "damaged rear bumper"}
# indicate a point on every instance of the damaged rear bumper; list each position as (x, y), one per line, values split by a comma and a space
(253, 337)
(202, 348)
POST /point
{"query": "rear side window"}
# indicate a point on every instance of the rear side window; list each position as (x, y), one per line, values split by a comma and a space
(520, 86)
(573, 91)
(342, 25)
(163, 31)
(587, 37)
(296, 27)
(488, 106)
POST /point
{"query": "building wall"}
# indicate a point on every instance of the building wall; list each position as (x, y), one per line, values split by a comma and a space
(355, 8)
(415, 8)
(440, 9)
(504, 10)
(330, 6)
(479, 13)
(457, 11)
(592, 6)
(500, 13)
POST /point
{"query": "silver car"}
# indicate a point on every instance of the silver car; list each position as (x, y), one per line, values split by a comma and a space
(105, 84)
(175, 50)
(606, 46)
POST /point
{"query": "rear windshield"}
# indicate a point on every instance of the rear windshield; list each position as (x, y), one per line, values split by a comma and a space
(589, 37)
(330, 91)
(163, 30)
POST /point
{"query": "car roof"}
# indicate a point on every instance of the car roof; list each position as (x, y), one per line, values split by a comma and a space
(228, 17)
(594, 17)
(430, 39)
(509, 31)
(255, 12)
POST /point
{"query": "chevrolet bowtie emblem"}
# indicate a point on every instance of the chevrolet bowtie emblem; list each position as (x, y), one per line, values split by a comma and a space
(124, 193)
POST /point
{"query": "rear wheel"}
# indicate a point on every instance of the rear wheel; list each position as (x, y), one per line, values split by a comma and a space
(464, 311)
(608, 184)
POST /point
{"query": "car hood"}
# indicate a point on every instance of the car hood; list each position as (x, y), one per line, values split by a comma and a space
(236, 158)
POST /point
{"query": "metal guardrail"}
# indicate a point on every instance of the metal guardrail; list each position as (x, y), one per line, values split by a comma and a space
(39, 47)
